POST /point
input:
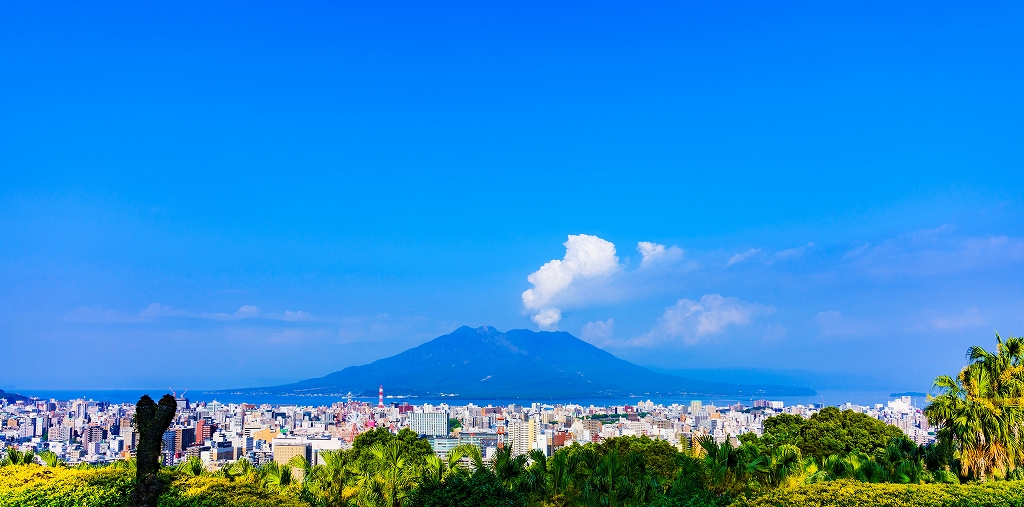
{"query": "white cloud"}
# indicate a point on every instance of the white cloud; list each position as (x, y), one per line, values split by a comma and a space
(693, 321)
(793, 253)
(590, 273)
(247, 311)
(97, 314)
(653, 254)
(936, 322)
(296, 316)
(159, 310)
(547, 318)
(740, 257)
(938, 251)
(831, 323)
(834, 323)
(598, 332)
(585, 257)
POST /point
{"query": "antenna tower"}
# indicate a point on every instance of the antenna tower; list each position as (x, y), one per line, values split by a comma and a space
(380, 397)
(500, 421)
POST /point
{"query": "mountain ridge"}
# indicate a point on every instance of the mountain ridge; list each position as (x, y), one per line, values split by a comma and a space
(486, 363)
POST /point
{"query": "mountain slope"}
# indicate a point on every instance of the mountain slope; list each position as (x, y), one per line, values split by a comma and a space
(12, 397)
(485, 362)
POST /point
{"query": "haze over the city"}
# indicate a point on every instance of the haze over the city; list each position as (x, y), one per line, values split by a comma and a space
(214, 198)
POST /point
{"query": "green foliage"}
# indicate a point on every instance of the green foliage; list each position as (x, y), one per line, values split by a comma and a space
(16, 457)
(828, 432)
(34, 485)
(453, 424)
(206, 491)
(480, 489)
(39, 486)
(416, 448)
(657, 457)
(849, 493)
(980, 412)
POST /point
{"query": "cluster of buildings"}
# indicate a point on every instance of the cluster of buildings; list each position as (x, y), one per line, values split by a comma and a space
(219, 433)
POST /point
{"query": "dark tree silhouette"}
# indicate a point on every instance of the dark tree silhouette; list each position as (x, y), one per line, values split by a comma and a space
(151, 421)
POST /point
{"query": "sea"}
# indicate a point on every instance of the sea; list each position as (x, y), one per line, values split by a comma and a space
(827, 398)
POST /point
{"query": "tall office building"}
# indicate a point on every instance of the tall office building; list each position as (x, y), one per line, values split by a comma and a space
(434, 424)
(287, 448)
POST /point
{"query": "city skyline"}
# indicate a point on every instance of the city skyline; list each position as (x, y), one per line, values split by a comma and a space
(254, 198)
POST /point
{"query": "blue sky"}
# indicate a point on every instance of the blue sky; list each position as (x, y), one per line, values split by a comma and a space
(226, 194)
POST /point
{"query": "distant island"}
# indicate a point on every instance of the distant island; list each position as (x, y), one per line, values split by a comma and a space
(485, 363)
(909, 393)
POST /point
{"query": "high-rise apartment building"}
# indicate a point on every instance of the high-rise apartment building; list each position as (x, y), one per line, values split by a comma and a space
(434, 424)
(204, 429)
(522, 435)
(91, 434)
(183, 438)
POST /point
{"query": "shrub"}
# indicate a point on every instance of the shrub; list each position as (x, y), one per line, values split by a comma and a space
(220, 492)
(848, 493)
(38, 486)
(482, 489)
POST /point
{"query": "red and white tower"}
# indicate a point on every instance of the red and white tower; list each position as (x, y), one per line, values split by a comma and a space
(500, 422)
(380, 397)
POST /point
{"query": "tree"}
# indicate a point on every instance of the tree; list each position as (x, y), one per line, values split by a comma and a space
(16, 457)
(726, 466)
(329, 484)
(440, 470)
(778, 467)
(151, 420)
(828, 432)
(275, 476)
(658, 456)
(511, 471)
(981, 411)
(416, 449)
(609, 485)
(192, 467)
(389, 475)
(481, 489)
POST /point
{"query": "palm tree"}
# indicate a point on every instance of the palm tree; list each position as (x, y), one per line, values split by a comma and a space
(191, 467)
(511, 470)
(328, 483)
(241, 469)
(125, 464)
(16, 457)
(275, 477)
(389, 476)
(777, 467)
(440, 470)
(51, 460)
(981, 412)
(724, 464)
(902, 461)
(609, 485)
(564, 474)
